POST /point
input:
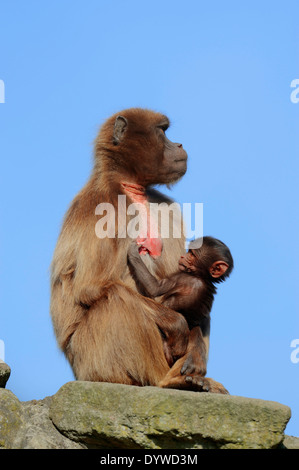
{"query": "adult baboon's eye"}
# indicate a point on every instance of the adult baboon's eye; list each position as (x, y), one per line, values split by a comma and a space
(164, 126)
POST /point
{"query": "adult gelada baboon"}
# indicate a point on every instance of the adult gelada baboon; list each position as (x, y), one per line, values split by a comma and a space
(108, 331)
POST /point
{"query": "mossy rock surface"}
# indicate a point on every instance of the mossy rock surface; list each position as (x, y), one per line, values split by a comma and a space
(108, 416)
(11, 418)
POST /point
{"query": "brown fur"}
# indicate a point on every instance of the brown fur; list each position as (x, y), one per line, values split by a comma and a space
(107, 330)
(189, 291)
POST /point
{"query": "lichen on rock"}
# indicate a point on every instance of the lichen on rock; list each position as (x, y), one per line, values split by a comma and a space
(122, 416)
(85, 415)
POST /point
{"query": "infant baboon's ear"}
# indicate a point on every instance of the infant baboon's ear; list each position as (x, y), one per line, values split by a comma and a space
(218, 269)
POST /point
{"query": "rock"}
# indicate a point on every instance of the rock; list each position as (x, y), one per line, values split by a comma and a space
(38, 431)
(11, 419)
(4, 374)
(290, 442)
(110, 416)
(27, 425)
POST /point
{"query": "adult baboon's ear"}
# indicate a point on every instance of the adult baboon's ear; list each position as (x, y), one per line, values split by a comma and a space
(120, 127)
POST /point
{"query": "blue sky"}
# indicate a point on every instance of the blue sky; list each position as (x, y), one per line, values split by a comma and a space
(222, 72)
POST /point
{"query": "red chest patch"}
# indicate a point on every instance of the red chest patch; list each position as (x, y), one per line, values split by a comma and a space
(149, 240)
